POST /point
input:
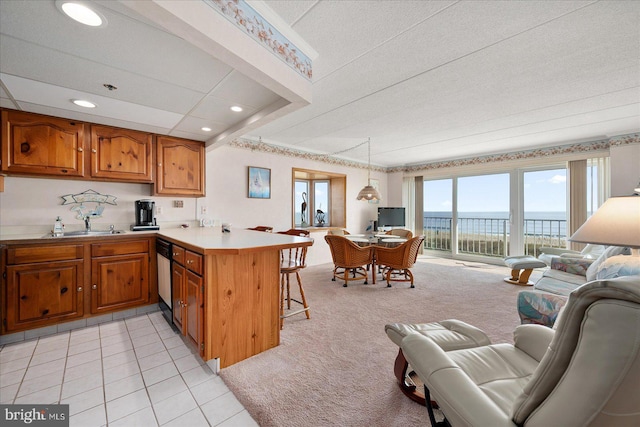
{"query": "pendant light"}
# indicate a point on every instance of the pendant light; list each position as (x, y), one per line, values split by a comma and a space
(368, 192)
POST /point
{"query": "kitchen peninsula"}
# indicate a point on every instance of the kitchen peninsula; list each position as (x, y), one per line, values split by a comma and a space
(225, 286)
(238, 311)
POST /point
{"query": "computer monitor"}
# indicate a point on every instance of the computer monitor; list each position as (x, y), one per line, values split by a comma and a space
(391, 217)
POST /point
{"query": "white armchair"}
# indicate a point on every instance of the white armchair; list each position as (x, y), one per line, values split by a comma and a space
(586, 372)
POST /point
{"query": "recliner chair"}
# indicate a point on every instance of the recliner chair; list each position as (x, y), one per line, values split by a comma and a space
(586, 372)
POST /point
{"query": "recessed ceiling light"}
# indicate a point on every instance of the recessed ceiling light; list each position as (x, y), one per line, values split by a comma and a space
(206, 129)
(236, 108)
(83, 103)
(82, 13)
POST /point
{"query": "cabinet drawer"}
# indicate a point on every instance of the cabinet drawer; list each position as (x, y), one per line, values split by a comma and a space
(33, 254)
(119, 248)
(178, 254)
(193, 262)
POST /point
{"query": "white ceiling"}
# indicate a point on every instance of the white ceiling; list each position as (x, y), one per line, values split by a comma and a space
(427, 81)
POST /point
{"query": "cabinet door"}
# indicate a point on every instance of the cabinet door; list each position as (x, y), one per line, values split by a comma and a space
(195, 310)
(42, 145)
(121, 154)
(178, 279)
(43, 294)
(181, 167)
(119, 282)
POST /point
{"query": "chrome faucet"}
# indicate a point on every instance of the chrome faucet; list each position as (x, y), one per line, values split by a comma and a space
(87, 223)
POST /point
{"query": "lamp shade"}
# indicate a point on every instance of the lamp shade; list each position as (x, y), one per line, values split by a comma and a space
(368, 193)
(615, 223)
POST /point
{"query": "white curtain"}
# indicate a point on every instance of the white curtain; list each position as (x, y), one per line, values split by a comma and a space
(409, 202)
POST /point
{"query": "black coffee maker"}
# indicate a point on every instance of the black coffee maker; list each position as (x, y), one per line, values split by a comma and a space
(145, 218)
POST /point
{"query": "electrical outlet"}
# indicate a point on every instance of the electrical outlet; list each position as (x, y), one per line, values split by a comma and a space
(178, 204)
(158, 210)
(203, 210)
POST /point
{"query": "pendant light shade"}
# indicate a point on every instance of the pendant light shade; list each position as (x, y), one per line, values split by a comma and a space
(368, 192)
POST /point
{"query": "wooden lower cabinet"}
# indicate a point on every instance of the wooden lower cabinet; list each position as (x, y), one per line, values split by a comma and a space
(119, 282)
(188, 290)
(46, 283)
(44, 293)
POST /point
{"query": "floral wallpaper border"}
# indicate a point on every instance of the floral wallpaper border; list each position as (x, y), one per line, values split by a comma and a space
(246, 18)
(599, 145)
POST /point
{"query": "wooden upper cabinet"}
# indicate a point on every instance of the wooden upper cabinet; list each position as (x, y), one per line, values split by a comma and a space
(42, 145)
(180, 167)
(121, 154)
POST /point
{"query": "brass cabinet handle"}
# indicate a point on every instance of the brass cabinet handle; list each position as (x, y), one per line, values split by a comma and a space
(94, 287)
(80, 149)
(93, 150)
(79, 288)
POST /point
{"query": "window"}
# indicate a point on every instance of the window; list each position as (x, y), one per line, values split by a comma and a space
(301, 200)
(513, 212)
(321, 203)
(318, 199)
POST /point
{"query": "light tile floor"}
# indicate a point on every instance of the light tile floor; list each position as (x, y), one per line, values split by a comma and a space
(132, 372)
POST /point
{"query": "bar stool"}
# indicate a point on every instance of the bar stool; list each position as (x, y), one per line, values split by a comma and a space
(292, 260)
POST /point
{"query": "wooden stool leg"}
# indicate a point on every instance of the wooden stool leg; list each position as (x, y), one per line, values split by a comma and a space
(288, 294)
(304, 299)
(515, 274)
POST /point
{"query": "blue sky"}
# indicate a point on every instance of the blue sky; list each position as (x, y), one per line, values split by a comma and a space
(544, 191)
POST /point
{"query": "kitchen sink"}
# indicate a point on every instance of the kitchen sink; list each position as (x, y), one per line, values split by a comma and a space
(81, 233)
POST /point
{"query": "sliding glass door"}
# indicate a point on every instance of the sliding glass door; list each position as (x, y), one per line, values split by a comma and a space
(483, 214)
(438, 214)
(545, 209)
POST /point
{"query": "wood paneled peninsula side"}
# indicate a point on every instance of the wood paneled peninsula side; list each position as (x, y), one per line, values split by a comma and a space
(240, 289)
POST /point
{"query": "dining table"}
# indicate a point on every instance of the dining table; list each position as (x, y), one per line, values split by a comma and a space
(374, 240)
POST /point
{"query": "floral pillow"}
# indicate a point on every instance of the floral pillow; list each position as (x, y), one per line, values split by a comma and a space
(571, 265)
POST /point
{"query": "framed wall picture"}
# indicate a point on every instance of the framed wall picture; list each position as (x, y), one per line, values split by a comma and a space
(259, 183)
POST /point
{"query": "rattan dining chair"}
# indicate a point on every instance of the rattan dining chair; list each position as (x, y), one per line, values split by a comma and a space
(395, 263)
(400, 232)
(353, 259)
(292, 260)
(338, 232)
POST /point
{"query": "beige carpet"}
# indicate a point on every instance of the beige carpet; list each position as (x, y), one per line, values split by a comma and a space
(336, 369)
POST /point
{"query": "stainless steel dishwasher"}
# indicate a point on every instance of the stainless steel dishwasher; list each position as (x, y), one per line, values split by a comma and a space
(163, 251)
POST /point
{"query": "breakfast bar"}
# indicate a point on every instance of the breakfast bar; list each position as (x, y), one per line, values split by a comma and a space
(238, 313)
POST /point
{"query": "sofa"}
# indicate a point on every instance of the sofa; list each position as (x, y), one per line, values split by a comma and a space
(565, 274)
(547, 254)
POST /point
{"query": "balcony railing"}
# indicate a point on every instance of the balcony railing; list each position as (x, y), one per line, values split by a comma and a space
(490, 236)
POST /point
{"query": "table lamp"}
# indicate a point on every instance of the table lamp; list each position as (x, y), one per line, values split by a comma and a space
(615, 223)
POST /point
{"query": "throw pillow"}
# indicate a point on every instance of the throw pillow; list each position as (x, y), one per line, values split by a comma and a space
(618, 266)
(592, 271)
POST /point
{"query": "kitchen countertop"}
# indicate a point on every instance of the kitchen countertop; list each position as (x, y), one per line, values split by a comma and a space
(205, 240)
(213, 240)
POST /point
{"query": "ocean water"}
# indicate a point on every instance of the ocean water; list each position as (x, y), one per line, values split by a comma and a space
(536, 223)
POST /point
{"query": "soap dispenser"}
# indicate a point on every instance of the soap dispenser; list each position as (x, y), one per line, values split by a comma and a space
(58, 228)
